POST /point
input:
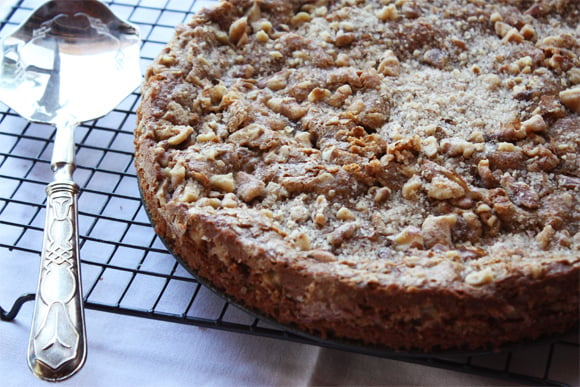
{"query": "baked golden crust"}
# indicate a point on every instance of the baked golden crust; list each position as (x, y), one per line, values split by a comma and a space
(401, 173)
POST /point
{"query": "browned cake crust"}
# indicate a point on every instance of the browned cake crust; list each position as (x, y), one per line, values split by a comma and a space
(400, 173)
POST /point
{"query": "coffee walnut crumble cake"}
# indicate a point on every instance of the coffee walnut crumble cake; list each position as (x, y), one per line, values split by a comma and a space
(404, 173)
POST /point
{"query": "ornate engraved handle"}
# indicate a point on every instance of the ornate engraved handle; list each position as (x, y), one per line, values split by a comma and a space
(57, 346)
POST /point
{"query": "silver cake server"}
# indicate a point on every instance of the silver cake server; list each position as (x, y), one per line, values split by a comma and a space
(70, 62)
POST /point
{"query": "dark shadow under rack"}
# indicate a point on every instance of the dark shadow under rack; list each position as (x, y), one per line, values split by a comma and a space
(121, 252)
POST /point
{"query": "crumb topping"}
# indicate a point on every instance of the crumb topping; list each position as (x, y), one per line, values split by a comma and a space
(431, 141)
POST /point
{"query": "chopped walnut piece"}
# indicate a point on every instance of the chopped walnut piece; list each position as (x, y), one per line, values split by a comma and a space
(458, 147)
(520, 193)
(262, 36)
(544, 237)
(342, 232)
(564, 40)
(436, 230)
(345, 214)
(382, 194)
(191, 191)
(177, 174)
(344, 39)
(340, 95)
(389, 64)
(528, 32)
(277, 82)
(495, 17)
(319, 214)
(223, 182)
(318, 94)
(388, 13)
(480, 278)
(513, 36)
(557, 209)
(302, 241)
(468, 228)
(300, 18)
(248, 135)
(238, 31)
(571, 99)
(535, 123)
(442, 188)
(322, 256)
(501, 28)
(229, 201)
(249, 187)
(287, 107)
(183, 133)
(343, 76)
(411, 188)
(409, 237)
(430, 146)
(574, 75)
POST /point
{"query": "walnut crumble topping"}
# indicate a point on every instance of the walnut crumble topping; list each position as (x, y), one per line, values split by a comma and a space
(428, 143)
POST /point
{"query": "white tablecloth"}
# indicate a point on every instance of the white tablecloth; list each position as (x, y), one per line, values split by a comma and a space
(128, 351)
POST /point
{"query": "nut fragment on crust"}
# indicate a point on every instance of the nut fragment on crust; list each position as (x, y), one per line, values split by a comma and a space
(262, 36)
(479, 278)
(409, 237)
(387, 13)
(229, 201)
(458, 147)
(535, 123)
(319, 217)
(340, 95)
(191, 192)
(223, 182)
(277, 82)
(345, 214)
(237, 31)
(304, 139)
(342, 232)
(249, 187)
(300, 18)
(183, 133)
(513, 36)
(322, 256)
(442, 188)
(571, 99)
(545, 236)
(430, 146)
(389, 64)
(318, 94)
(288, 107)
(382, 194)
(344, 39)
(177, 174)
(437, 230)
(301, 241)
(411, 188)
(528, 32)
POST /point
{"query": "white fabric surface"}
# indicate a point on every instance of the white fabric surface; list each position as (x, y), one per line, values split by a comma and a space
(126, 351)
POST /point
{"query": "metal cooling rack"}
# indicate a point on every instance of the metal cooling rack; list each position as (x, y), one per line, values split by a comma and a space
(125, 267)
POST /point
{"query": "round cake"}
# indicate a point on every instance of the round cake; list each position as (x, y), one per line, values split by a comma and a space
(396, 173)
